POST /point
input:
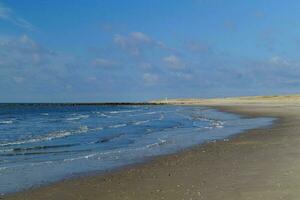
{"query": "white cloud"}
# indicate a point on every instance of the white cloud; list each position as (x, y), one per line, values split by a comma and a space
(22, 52)
(140, 37)
(9, 15)
(277, 60)
(127, 43)
(135, 42)
(120, 40)
(29, 69)
(173, 62)
(24, 61)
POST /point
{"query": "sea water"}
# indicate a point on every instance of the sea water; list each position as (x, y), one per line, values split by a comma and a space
(40, 144)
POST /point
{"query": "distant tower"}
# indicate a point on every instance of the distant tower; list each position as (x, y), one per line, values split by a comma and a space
(166, 100)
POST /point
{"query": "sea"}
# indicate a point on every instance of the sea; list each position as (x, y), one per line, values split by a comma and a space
(41, 144)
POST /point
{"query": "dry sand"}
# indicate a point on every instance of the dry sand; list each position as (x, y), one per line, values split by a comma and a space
(260, 164)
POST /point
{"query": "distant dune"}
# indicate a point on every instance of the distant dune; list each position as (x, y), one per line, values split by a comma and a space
(276, 99)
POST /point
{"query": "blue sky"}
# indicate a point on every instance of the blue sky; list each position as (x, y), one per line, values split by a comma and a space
(136, 50)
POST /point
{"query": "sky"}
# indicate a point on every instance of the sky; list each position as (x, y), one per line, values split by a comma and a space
(139, 50)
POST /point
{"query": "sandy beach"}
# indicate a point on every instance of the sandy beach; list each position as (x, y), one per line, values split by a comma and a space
(257, 164)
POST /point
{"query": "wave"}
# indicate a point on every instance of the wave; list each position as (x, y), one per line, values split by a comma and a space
(3, 168)
(109, 138)
(208, 127)
(141, 122)
(212, 124)
(117, 125)
(22, 165)
(149, 130)
(150, 113)
(101, 114)
(42, 147)
(35, 148)
(104, 115)
(218, 124)
(6, 122)
(27, 153)
(156, 144)
(78, 117)
(80, 157)
(122, 111)
(96, 112)
(33, 153)
(143, 113)
(161, 117)
(95, 129)
(52, 136)
(98, 154)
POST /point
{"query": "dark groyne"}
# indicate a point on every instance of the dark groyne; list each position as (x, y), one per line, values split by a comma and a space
(83, 104)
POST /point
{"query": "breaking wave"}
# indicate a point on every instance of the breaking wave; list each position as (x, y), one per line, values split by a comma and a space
(78, 117)
(118, 126)
(52, 136)
(6, 122)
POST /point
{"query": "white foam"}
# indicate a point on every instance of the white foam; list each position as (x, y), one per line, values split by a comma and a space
(146, 113)
(78, 117)
(72, 159)
(3, 168)
(156, 144)
(53, 135)
(117, 125)
(208, 127)
(6, 150)
(6, 122)
(150, 113)
(141, 122)
(218, 124)
(96, 129)
(91, 156)
(82, 129)
(122, 111)
(161, 117)
(100, 114)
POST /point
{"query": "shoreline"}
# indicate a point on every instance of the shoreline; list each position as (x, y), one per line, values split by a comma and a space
(139, 163)
(115, 184)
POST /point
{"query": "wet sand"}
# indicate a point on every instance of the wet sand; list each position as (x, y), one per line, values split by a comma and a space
(257, 164)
